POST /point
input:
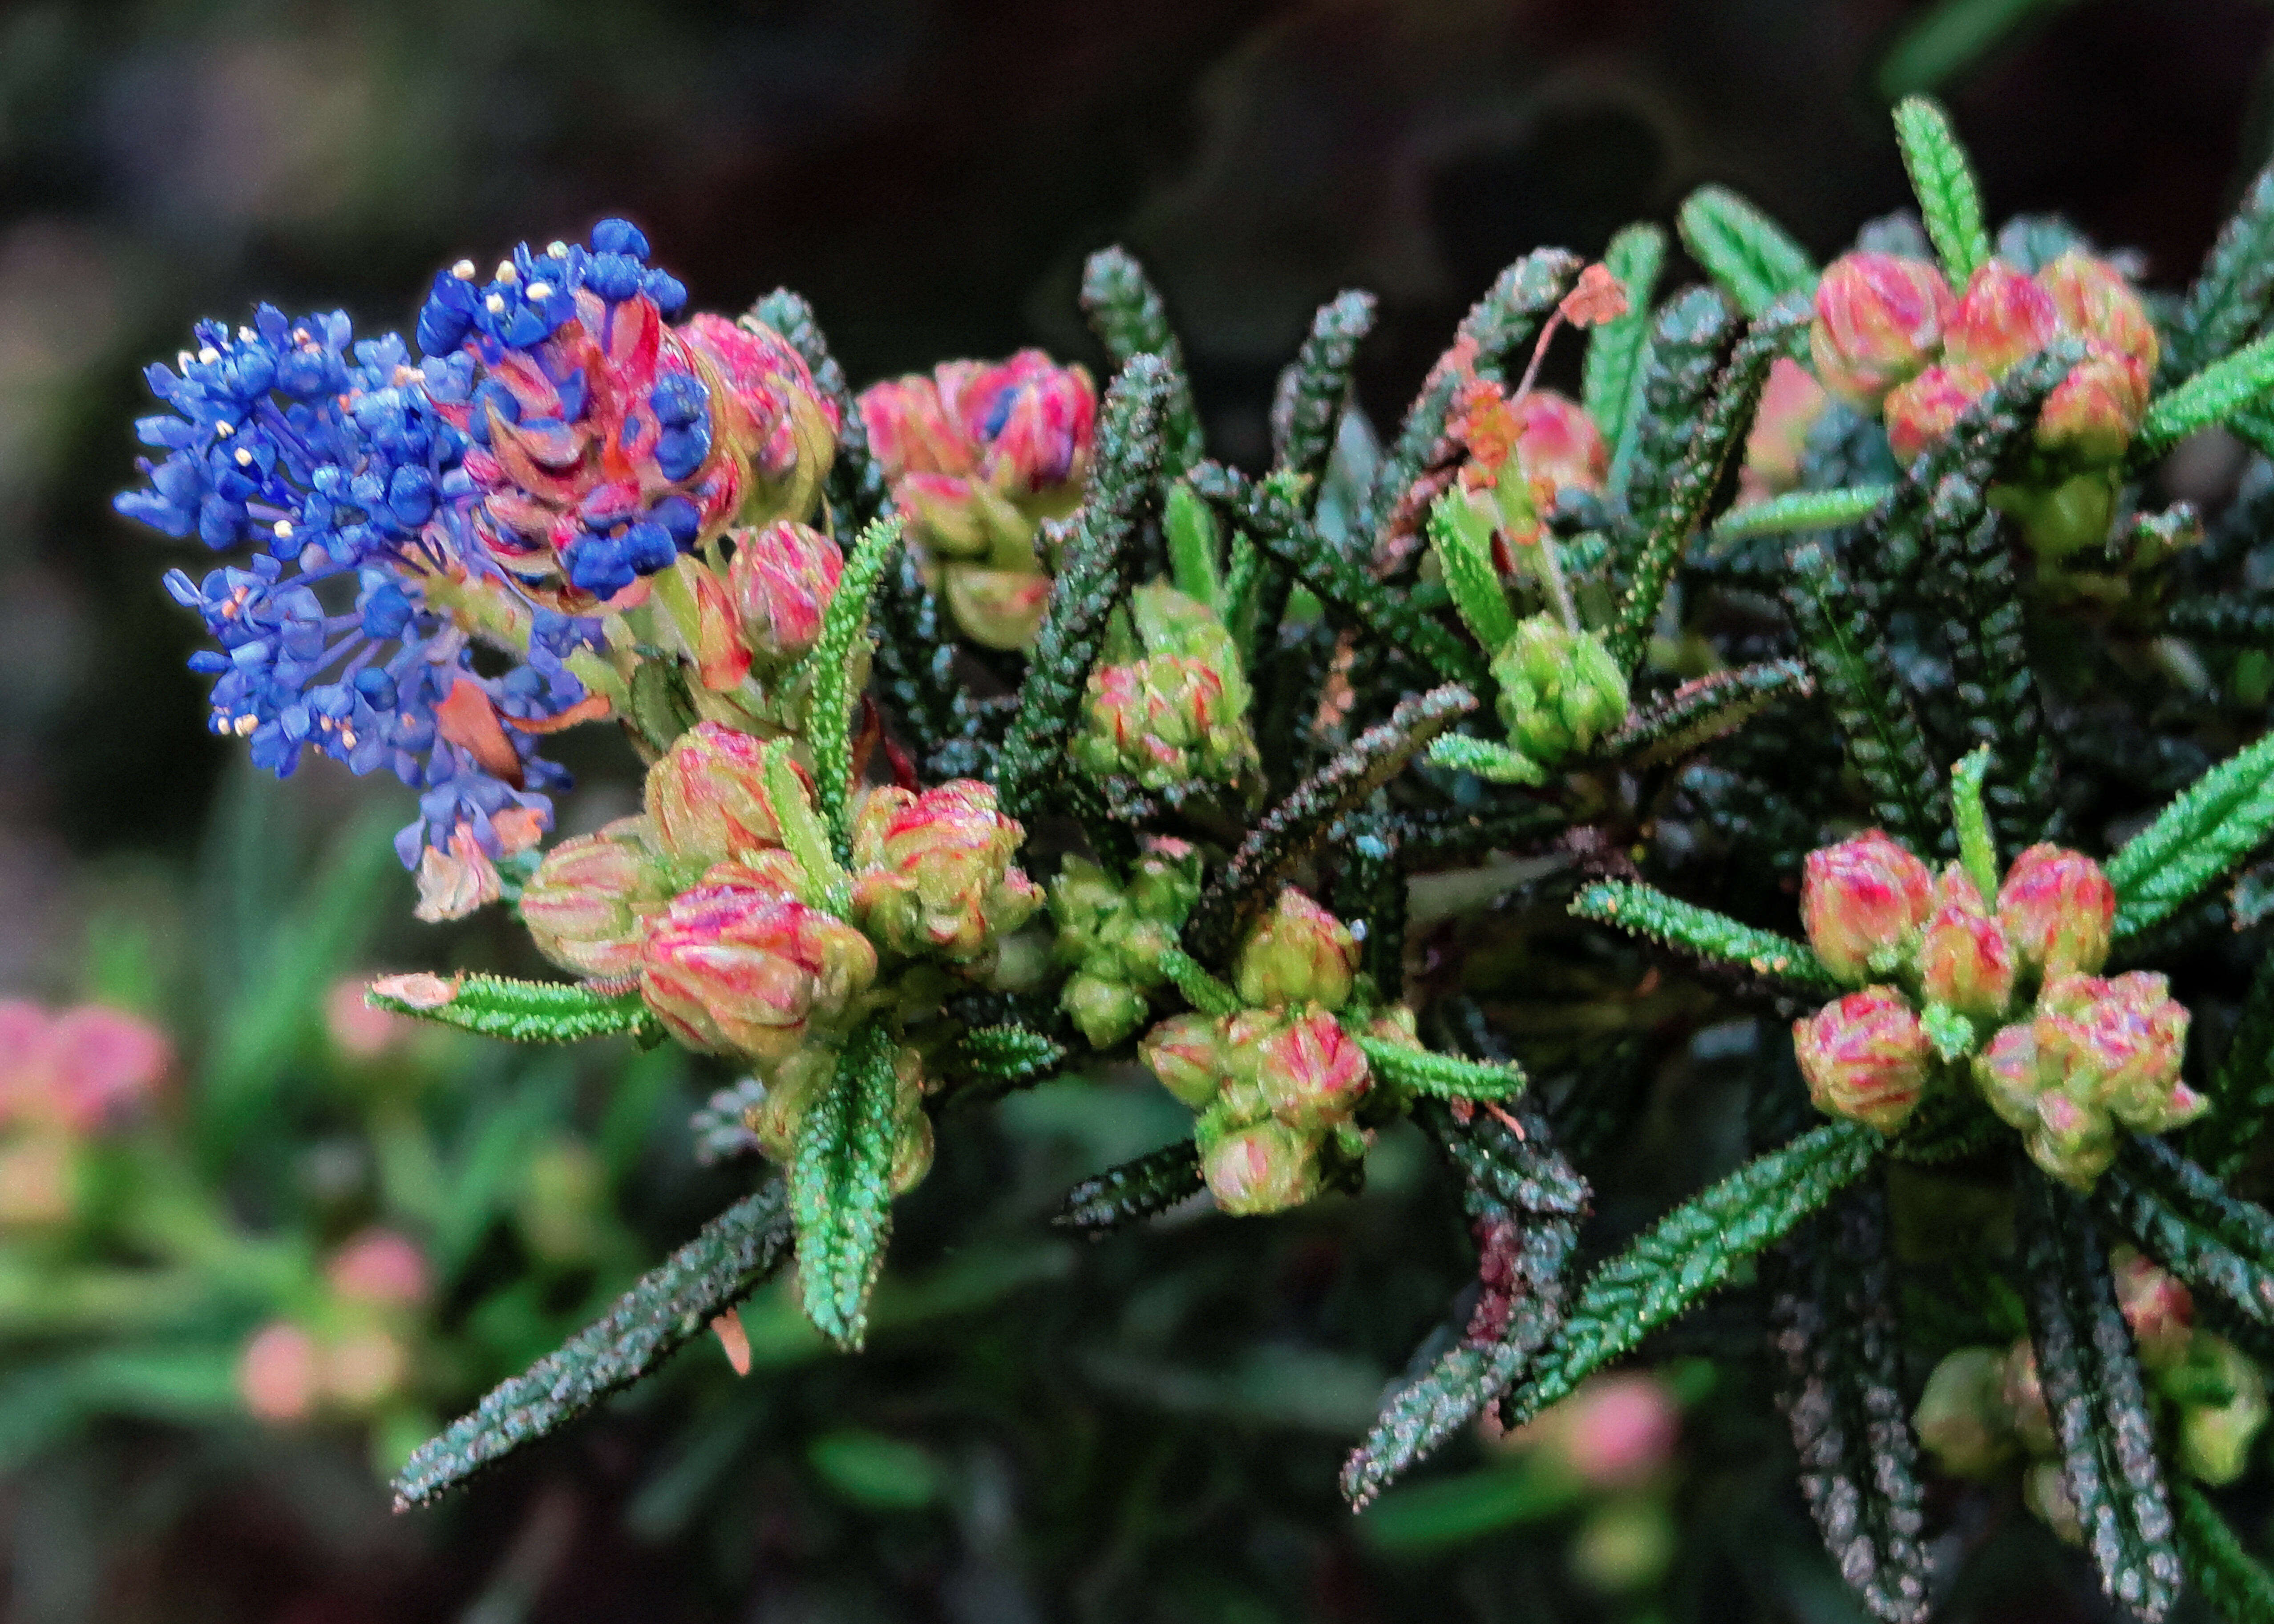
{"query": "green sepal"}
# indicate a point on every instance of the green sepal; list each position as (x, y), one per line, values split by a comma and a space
(1951, 1035)
(2231, 295)
(2227, 1577)
(1134, 1191)
(498, 1007)
(1943, 179)
(1618, 350)
(1488, 759)
(1292, 829)
(844, 628)
(2211, 396)
(840, 1186)
(672, 1305)
(1462, 540)
(1201, 991)
(1703, 709)
(1194, 552)
(1802, 510)
(1645, 911)
(1691, 1251)
(1754, 259)
(1130, 319)
(2206, 830)
(1978, 847)
(826, 885)
(2098, 1401)
(1444, 1077)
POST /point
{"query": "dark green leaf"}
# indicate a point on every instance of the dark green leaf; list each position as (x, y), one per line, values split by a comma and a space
(2228, 1578)
(1645, 911)
(1130, 319)
(1132, 1192)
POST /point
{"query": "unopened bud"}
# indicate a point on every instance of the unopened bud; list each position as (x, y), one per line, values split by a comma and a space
(1312, 1074)
(1033, 421)
(1860, 901)
(1919, 414)
(1791, 404)
(2096, 303)
(2215, 1439)
(280, 1373)
(781, 579)
(707, 798)
(2158, 1309)
(2092, 413)
(735, 970)
(2073, 1140)
(1559, 690)
(1962, 958)
(1187, 1052)
(1963, 1415)
(1267, 1167)
(1618, 1431)
(588, 904)
(935, 872)
(2044, 1490)
(1297, 953)
(1105, 1011)
(1864, 1057)
(1880, 319)
(2058, 911)
(1165, 721)
(2004, 316)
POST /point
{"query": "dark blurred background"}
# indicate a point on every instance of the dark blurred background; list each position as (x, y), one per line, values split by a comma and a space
(930, 176)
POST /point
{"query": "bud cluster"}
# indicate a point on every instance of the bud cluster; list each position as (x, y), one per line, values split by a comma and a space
(1983, 1412)
(1560, 689)
(1110, 935)
(978, 455)
(351, 1351)
(1277, 1086)
(1168, 702)
(2070, 1054)
(1889, 336)
(65, 1078)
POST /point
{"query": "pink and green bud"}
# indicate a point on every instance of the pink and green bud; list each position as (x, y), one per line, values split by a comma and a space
(2095, 301)
(1105, 1011)
(1962, 960)
(2216, 1438)
(1557, 441)
(1865, 1057)
(1879, 318)
(2058, 911)
(2072, 1140)
(1297, 953)
(1186, 1053)
(781, 579)
(1165, 721)
(2134, 1040)
(2010, 1074)
(694, 601)
(911, 431)
(1861, 903)
(1033, 420)
(2005, 315)
(2159, 1310)
(707, 797)
(770, 416)
(1559, 690)
(280, 1373)
(2092, 413)
(998, 608)
(1791, 404)
(588, 904)
(1919, 414)
(739, 970)
(1312, 1074)
(1265, 1168)
(1963, 1415)
(935, 873)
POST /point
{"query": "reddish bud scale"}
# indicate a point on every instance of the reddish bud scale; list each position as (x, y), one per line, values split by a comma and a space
(1791, 404)
(935, 872)
(1862, 899)
(1312, 1074)
(1864, 1057)
(1297, 953)
(1265, 1168)
(738, 969)
(1879, 318)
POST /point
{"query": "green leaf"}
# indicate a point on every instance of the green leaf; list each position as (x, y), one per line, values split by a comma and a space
(1193, 547)
(1618, 350)
(1802, 510)
(2247, 622)
(1754, 259)
(2241, 1091)
(2098, 1402)
(2228, 1578)
(1315, 388)
(2211, 396)
(2206, 830)
(1097, 572)
(1290, 831)
(1978, 848)
(1691, 1251)
(1200, 989)
(1834, 1323)
(844, 629)
(1462, 539)
(734, 1253)
(2187, 1220)
(841, 1186)
(1951, 1035)
(826, 883)
(1445, 1077)
(2230, 298)
(1134, 1191)
(997, 1058)
(1488, 759)
(1643, 910)
(1128, 314)
(1682, 357)
(869, 1469)
(1949, 38)
(496, 1006)
(1943, 180)
(1703, 709)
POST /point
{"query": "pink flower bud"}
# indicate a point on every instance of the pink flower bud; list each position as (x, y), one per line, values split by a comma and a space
(1312, 1074)
(1861, 900)
(2058, 911)
(707, 797)
(2072, 1140)
(1962, 1415)
(1296, 953)
(2134, 1039)
(2158, 1309)
(733, 969)
(1962, 960)
(280, 1373)
(1166, 721)
(1556, 440)
(2010, 1073)
(935, 872)
(694, 603)
(40, 1181)
(2096, 302)
(1186, 1053)
(1878, 318)
(911, 431)
(1618, 1431)
(1920, 413)
(1267, 1167)
(2092, 413)
(106, 1064)
(1032, 418)
(771, 411)
(588, 904)
(1865, 1057)
(382, 1268)
(1791, 404)
(781, 579)
(2004, 316)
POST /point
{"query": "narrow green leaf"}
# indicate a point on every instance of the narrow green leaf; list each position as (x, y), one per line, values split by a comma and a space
(496, 1006)
(840, 1186)
(1193, 547)
(1643, 910)
(1687, 339)
(844, 628)
(1462, 538)
(1134, 1191)
(2205, 830)
(1978, 848)
(1943, 180)
(1691, 1251)
(1754, 259)
(1446, 1077)
(1487, 758)
(1949, 38)
(2243, 621)
(1703, 709)
(1315, 388)
(2228, 1577)
(1802, 510)
(1130, 319)
(734, 1253)
(1201, 991)
(2185, 1219)
(996, 1058)
(826, 884)
(2213, 396)
(1618, 350)
(2231, 296)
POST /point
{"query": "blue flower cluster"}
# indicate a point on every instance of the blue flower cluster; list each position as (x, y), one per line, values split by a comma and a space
(533, 294)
